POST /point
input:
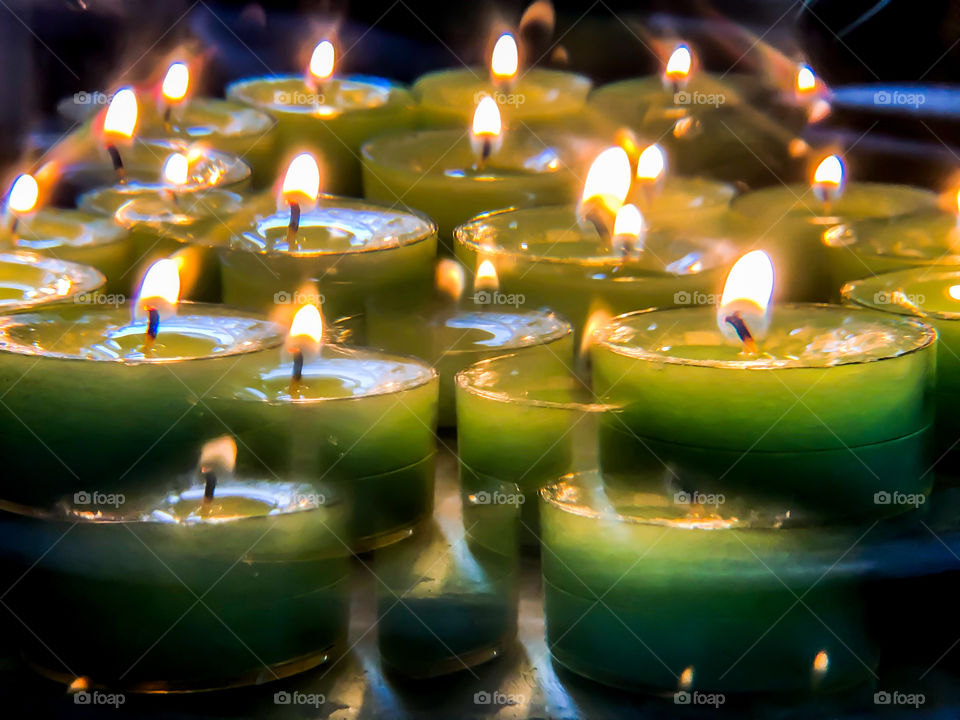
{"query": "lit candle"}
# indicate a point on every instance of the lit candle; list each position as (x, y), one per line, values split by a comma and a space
(485, 135)
(174, 88)
(504, 62)
(119, 124)
(301, 186)
(714, 393)
(303, 342)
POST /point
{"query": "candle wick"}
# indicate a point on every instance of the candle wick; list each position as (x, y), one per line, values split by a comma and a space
(153, 328)
(167, 114)
(209, 487)
(117, 161)
(743, 332)
(14, 224)
(294, 227)
(486, 150)
(297, 375)
(595, 215)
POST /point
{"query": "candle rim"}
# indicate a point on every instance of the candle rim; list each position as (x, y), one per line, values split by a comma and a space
(577, 84)
(561, 329)
(398, 96)
(926, 334)
(83, 279)
(271, 334)
(106, 232)
(888, 283)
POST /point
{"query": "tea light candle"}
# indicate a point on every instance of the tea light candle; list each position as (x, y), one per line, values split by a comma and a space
(362, 420)
(740, 400)
(69, 235)
(280, 611)
(535, 97)
(328, 115)
(29, 280)
(353, 251)
(796, 223)
(436, 171)
(933, 295)
(729, 577)
(65, 365)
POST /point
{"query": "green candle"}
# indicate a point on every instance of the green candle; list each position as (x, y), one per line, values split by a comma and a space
(361, 420)
(437, 172)
(795, 224)
(185, 594)
(546, 257)
(331, 116)
(353, 252)
(447, 597)
(28, 280)
(81, 377)
(932, 294)
(647, 594)
(831, 411)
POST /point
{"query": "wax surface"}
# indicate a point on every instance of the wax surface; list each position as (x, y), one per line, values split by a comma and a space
(929, 238)
(206, 119)
(28, 279)
(54, 230)
(179, 209)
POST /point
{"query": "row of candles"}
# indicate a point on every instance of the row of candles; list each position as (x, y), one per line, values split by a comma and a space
(224, 425)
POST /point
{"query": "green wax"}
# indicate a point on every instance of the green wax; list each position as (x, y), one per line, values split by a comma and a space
(79, 378)
(826, 380)
(361, 420)
(265, 557)
(332, 121)
(29, 280)
(451, 339)
(538, 98)
(795, 229)
(435, 172)
(544, 257)
(699, 601)
(77, 237)
(350, 251)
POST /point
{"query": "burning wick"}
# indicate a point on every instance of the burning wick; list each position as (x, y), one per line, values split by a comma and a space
(22, 199)
(828, 181)
(293, 227)
(300, 184)
(306, 333)
(174, 89)
(153, 327)
(119, 124)
(604, 190)
(677, 71)
(504, 62)
(209, 487)
(217, 457)
(485, 135)
(736, 321)
(322, 63)
(117, 161)
(158, 297)
(297, 375)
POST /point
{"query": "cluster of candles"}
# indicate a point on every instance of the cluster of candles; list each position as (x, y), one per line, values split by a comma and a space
(650, 374)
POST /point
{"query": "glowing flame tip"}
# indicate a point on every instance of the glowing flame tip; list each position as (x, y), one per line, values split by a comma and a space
(23, 194)
(505, 58)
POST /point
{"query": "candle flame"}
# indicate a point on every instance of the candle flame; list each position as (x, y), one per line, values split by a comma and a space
(806, 79)
(958, 202)
(23, 194)
(306, 330)
(954, 292)
(219, 455)
(608, 179)
(121, 117)
(176, 169)
(450, 278)
(598, 319)
(651, 164)
(160, 289)
(678, 66)
(629, 222)
(686, 678)
(747, 291)
(821, 662)
(486, 118)
(302, 181)
(322, 60)
(828, 178)
(505, 59)
(486, 277)
(176, 82)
